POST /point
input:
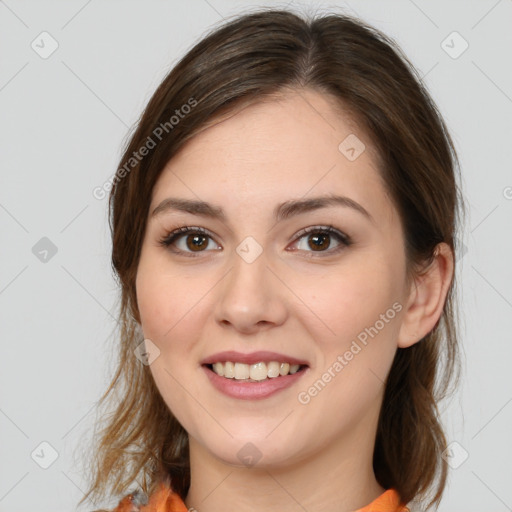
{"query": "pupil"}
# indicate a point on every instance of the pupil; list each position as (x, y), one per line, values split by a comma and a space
(316, 237)
(195, 244)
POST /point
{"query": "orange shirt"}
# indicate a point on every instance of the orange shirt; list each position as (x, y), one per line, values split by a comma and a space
(165, 500)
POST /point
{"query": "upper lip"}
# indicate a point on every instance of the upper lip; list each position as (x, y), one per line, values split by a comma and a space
(252, 358)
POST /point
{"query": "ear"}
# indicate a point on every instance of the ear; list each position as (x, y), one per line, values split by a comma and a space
(427, 298)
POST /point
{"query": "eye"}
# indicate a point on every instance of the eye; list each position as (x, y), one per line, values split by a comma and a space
(195, 239)
(319, 238)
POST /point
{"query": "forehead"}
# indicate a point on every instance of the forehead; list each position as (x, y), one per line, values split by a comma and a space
(275, 150)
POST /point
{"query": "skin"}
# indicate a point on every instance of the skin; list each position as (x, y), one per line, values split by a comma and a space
(307, 303)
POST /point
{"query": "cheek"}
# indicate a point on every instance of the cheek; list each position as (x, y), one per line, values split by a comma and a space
(169, 307)
(351, 298)
(356, 345)
(160, 294)
(153, 302)
(173, 304)
(360, 310)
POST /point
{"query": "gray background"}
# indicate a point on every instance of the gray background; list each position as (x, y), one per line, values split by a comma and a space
(64, 119)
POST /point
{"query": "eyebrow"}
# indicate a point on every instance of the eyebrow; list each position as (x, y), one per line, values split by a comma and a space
(281, 212)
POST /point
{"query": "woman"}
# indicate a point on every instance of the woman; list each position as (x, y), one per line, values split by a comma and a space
(284, 222)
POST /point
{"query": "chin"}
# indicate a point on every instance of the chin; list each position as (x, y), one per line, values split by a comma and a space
(253, 452)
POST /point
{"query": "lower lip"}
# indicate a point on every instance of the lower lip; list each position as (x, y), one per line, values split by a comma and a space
(252, 390)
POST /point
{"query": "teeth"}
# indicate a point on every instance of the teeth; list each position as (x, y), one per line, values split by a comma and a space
(254, 372)
(218, 368)
(241, 371)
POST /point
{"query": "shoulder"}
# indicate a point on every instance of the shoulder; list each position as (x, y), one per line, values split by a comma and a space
(130, 503)
(163, 499)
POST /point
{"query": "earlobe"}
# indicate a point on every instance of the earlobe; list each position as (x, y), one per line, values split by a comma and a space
(427, 298)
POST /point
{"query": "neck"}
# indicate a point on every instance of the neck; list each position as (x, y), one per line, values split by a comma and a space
(337, 478)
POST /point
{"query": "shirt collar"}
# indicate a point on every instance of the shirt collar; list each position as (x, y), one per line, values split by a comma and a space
(166, 500)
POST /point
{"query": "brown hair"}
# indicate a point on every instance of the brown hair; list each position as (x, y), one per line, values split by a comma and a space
(246, 60)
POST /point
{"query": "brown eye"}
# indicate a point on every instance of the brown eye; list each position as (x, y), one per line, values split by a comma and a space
(196, 242)
(319, 241)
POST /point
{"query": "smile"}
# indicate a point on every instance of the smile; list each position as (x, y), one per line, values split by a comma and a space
(254, 372)
(246, 388)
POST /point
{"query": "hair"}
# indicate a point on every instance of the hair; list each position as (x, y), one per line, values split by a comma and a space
(251, 58)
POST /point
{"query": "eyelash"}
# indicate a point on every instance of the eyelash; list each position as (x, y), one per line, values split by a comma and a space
(345, 240)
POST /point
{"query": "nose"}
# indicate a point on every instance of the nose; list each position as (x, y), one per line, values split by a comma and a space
(251, 297)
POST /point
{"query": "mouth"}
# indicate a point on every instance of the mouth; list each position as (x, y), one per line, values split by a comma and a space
(258, 372)
(239, 384)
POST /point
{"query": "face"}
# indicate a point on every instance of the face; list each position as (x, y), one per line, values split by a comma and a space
(251, 281)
